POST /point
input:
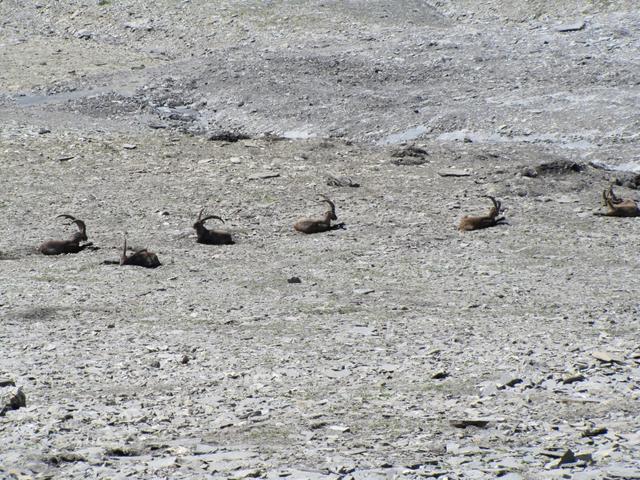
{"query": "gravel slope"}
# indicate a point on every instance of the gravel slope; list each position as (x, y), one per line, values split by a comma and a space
(407, 348)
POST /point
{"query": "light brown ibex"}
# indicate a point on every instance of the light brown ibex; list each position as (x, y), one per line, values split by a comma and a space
(140, 258)
(617, 207)
(468, 223)
(317, 225)
(57, 247)
(211, 237)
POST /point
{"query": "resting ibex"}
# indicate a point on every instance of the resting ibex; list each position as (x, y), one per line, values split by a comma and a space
(57, 247)
(491, 219)
(316, 225)
(617, 207)
(140, 258)
(211, 237)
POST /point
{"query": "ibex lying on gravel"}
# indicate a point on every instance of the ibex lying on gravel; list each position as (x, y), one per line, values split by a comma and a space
(57, 247)
(211, 237)
(476, 223)
(316, 225)
(617, 207)
(140, 258)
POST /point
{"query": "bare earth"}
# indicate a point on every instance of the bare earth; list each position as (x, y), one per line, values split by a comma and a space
(407, 349)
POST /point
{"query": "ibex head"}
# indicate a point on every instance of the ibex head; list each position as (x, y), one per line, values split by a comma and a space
(82, 228)
(331, 206)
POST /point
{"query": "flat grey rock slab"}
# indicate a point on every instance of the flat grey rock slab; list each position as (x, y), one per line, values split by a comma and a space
(454, 172)
(263, 176)
(571, 27)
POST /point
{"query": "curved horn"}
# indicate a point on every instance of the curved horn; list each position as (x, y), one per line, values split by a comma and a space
(81, 225)
(609, 202)
(211, 216)
(123, 257)
(200, 215)
(612, 196)
(496, 203)
(64, 215)
(331, 204)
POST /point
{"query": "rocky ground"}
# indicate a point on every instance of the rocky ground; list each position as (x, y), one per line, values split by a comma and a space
(406, 349)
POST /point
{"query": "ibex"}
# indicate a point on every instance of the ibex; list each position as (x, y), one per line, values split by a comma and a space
(211, 237)
(316, 225)
(617, 207)
(491, 219)
(57, 247)
(140, 258)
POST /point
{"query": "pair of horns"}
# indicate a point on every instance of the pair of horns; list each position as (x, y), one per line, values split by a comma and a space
(331, 204)
(496, 203)
(81, 225)
(202, 220)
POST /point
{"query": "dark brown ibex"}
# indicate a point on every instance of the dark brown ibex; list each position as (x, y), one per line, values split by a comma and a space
(316, 225)
(57, 247)
(140, 258)
(211, 237)
(468, 223)
(617, 207)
